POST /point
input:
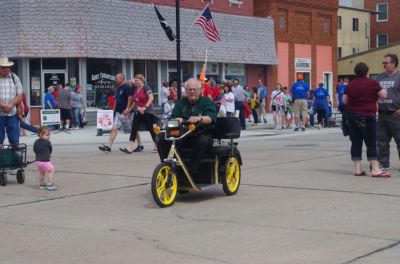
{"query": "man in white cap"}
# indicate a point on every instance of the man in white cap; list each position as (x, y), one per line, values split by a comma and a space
(10, 97)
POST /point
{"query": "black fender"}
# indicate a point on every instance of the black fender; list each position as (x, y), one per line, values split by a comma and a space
(236, 152)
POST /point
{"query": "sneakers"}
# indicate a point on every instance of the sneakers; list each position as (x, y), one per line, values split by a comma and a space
(104, 148)
(51, 187)
(296, 129)
(265, 121)
(42, 186)
(303, 129)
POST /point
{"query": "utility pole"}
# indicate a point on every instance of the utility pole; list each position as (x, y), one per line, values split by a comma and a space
(178, 49)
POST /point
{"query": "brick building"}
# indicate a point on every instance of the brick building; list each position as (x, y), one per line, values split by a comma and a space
(384, 25)
(88, 42)
(306, 37)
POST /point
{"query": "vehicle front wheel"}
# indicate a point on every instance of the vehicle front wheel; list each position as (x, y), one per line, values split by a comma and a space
(164, 185)
(231, 178)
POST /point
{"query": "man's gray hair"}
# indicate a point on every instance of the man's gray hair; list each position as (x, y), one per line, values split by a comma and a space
(121, 74)
(193, 80)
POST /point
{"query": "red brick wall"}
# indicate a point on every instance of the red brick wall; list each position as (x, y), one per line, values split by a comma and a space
(222, 6)
(391, 27)
(303, 24)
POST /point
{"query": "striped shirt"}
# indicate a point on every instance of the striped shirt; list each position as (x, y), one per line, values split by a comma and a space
(8, 92)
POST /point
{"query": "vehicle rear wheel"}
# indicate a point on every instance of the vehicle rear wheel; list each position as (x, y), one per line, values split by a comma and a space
(231, 178)
(164, 185)
(20, 176)
(3, 178)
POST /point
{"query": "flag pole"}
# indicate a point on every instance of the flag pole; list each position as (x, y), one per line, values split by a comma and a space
(178, 49)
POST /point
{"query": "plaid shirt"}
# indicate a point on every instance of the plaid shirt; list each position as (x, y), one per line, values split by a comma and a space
(8, 91)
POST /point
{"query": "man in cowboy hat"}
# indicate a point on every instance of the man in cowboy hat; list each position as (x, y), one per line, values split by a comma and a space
(10, 96)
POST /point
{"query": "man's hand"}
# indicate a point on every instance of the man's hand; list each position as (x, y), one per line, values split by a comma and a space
(194, 119)
(179, 119)
(126, 111)
(397, 113)
(141, 110)
(7, 108)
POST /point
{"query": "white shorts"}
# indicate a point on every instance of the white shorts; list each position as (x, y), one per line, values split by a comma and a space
(121, 119)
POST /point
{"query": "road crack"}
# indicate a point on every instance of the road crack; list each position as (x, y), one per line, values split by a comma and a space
(379, 250)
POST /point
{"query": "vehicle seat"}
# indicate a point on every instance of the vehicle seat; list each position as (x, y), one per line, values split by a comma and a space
(227, 128)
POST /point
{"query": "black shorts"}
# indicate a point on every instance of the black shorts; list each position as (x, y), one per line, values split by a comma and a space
(65, 114)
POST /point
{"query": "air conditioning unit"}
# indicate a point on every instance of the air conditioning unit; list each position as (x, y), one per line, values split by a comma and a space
(235, 2)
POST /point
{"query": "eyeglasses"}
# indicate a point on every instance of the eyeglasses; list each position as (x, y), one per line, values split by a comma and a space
(386, 62)
(4, 67)
(192, 90)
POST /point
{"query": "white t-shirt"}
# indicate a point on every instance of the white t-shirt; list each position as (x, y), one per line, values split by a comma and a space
(277, 97)
(164, 94)
(229, 106)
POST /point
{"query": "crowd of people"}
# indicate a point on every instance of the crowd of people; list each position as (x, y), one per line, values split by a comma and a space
(71, 104)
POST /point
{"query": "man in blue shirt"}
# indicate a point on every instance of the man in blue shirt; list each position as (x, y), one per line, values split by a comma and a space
(49, 102)
(300, 92)
(321, 104)
(340, 89)
(123, 97)
(262, 94)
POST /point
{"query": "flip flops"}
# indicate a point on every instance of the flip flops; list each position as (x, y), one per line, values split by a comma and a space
(381, 174)
(363, 173)
(125, 150)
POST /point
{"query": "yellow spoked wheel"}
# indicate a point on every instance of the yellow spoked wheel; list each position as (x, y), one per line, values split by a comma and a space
(231, 179)
(164, 185)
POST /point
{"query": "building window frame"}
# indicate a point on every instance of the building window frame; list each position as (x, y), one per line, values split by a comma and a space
(379, 13)
(339, 22)
(281, 22)
(377, 39)
(339, 52)
(355, 24)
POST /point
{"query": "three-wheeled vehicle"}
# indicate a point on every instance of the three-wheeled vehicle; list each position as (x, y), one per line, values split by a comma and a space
(220, 166)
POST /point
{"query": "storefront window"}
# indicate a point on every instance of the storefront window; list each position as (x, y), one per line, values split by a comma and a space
(54, 64)
(73, 72)
(35, 89)
(235, 71)
(152, 78)
(139, 67)
(212, 70)
(101, 80)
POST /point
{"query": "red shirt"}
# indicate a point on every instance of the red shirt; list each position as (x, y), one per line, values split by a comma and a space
(362, 96)
(207, 90)
(111, 102)
(141, 97)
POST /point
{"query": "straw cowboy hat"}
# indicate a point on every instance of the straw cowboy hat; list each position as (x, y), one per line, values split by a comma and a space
(4, 62)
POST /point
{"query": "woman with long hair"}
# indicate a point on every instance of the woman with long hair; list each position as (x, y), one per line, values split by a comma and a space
(277, 106)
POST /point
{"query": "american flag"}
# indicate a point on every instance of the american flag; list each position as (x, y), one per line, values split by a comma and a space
(207, 23)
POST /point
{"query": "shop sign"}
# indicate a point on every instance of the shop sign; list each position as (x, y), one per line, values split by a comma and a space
(50, 117)
(211, 69)
(90, 95)
(303, 64)
(234, 69)
(35, 83)
(105, 119)
(104, 76)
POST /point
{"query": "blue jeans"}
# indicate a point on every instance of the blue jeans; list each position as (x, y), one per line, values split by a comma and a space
(28, 127)
(9, 124)
(76, 111)
(239, 106)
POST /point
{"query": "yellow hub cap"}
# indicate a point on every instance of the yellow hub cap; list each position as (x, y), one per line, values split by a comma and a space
(166, 194)
(233, 174)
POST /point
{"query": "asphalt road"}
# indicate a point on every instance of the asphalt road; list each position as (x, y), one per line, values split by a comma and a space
(298, 203)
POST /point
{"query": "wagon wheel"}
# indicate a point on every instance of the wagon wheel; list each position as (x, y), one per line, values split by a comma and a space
(231, 177)
(164, 185)
(20, 176)
(3, 178)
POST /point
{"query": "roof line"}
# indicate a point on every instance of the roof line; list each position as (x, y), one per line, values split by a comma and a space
(370, 51)
(360, 9)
